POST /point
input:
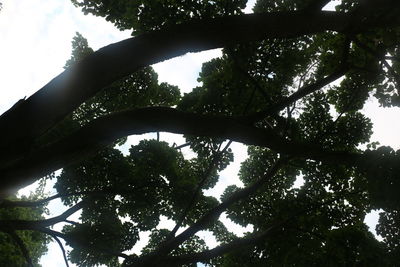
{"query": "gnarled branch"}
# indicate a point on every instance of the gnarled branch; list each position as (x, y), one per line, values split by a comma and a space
(68, 90)
(104, 130)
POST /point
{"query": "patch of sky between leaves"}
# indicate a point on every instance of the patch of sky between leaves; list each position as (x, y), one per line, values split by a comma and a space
(331, 5)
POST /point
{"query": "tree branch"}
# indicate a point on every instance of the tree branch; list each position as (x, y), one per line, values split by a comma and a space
(103, 131)
(62, 248)
(81, 243)
(236, 244)
(249, 240)
(33, 225)
(181, 146)
(63, 216)
(68, 90)
(209, 217)
(302, 92)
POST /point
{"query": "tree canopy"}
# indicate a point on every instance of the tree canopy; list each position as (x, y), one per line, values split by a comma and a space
(290, 84)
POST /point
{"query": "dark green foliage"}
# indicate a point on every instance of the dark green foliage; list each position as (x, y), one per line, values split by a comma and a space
(389, 229)
(304, 93)
(99, 238)
(195, 244)
(142, 16)
(382, 179)
(80, 49)
(35, 242)
(343, 133)
(139, 89)
(322, 221)
(153, 180)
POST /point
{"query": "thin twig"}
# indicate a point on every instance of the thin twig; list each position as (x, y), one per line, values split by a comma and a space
(343, 68)
(182, 146)
(304, 91)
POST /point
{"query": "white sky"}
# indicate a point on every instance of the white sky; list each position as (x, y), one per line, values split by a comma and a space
(35, 42)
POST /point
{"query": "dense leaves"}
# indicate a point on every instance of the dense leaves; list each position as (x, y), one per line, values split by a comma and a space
(306, 92)
(153, 180)
(140, 89)
(142, 16)
(11, 252)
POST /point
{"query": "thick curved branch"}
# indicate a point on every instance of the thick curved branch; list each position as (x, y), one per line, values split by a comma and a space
(68, 90)
(62, 249)
(105, 130)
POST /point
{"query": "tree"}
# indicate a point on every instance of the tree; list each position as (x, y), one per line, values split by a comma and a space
(290, 84)
(19, 247)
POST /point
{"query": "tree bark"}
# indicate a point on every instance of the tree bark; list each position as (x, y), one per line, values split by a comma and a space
(26, 122)
(68, 90)
(105, 130)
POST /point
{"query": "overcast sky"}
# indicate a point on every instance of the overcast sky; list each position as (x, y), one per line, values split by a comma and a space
(35, 42)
